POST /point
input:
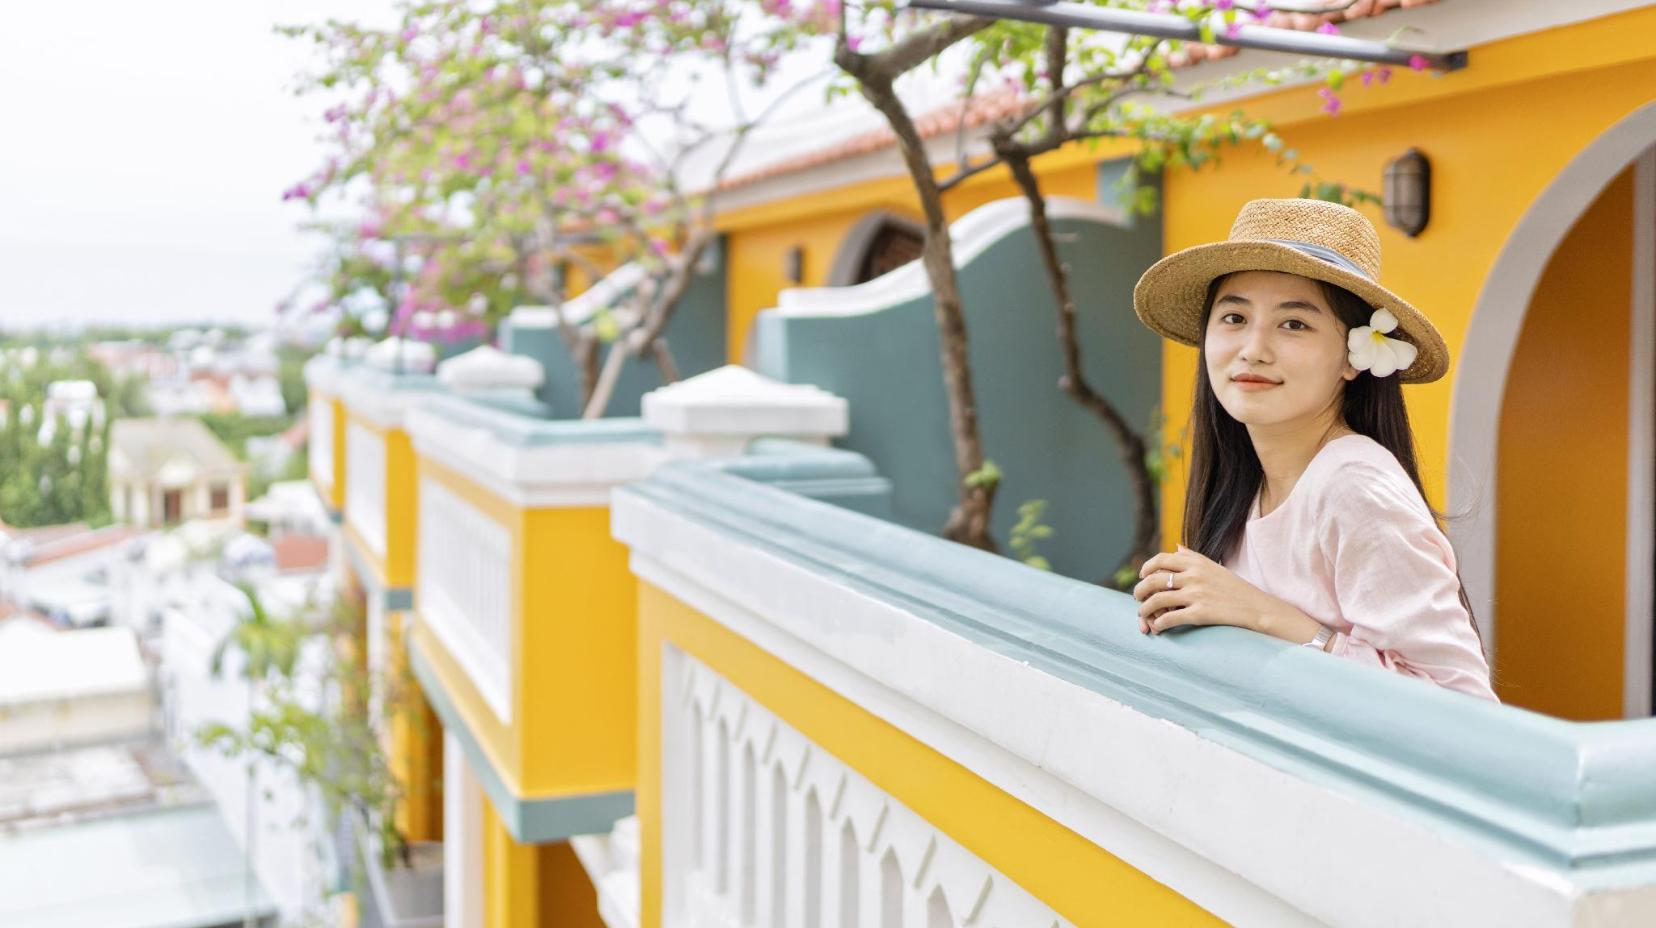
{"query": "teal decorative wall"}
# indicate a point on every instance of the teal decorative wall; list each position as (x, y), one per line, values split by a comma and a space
(883, 358)
(696, 335)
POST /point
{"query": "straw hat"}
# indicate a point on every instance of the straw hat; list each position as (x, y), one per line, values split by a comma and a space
(1311, 238)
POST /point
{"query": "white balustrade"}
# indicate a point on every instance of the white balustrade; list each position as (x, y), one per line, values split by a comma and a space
(464, 590)
(321, 439)
(763, 827)
(365, 486)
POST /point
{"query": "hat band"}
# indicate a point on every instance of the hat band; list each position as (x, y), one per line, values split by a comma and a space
(1326, 254)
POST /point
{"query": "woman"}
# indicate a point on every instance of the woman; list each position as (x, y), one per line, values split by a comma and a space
(1305, 506)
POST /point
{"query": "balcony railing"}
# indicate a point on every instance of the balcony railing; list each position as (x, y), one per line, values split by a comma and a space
(321, 439)
(365, 486)
(862, 724)
(464, 589)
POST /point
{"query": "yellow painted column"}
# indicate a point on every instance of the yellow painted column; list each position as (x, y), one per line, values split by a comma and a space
(575, 643)
(533, 884)
(568, 899)
(402, 500)
(413, 741)
(511, 897)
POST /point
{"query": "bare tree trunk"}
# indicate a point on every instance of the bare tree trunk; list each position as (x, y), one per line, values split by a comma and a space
(664, 361)
(968, 523)
(1146, 531)
(586, 359)
(642, 338)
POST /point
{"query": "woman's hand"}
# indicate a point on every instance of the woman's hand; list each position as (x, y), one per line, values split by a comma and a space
(1207, 593)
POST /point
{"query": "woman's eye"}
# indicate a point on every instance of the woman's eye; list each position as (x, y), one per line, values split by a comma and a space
(1302, 326)
(1227, 317)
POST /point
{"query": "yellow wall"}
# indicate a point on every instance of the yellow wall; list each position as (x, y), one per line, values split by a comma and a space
(402, 503)
(413, 739)
(760, 238)
(573, 640)
(336, 498)
(1563, 475)
(533, 885)
(1083, 882)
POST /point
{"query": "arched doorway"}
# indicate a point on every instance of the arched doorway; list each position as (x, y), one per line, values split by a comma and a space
(880, 242)
(1551, 445)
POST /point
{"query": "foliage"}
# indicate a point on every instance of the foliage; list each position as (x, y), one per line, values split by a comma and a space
(235, 428)
(313, 722)
(66, 479)
(491, 146)
(1060, 87)
(987, 476)
(290, 374)
(1027, 531)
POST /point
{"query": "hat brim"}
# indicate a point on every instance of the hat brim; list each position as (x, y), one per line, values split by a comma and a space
(1171, 295)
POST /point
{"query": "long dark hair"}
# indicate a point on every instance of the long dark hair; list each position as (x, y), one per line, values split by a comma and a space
(1225, 473)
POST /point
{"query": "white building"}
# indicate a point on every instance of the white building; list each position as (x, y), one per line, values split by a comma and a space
(62, 571)
(167, 471)
(60, 689)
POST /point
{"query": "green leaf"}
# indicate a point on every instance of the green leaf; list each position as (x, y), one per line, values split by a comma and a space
(987, 476)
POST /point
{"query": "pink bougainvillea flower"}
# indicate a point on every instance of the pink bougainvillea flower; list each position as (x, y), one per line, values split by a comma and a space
(1328, 29)
(1384, 74)
(1232, 30)
(1223, 5)
(1331, 101)
(1417, 62)
(853, 42)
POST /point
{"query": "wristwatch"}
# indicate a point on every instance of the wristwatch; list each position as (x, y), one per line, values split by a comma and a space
(1321, 641)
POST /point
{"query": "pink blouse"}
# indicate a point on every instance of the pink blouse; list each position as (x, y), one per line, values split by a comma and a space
(1354, 547)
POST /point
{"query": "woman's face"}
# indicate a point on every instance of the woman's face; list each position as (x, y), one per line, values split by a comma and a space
(1278, 327)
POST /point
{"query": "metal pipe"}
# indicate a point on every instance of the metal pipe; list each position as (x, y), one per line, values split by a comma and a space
(1174, 26)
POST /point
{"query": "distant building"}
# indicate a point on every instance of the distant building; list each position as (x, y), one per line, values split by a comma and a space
(61, 571)
(168, 471)
(68, 688)
(259, 395)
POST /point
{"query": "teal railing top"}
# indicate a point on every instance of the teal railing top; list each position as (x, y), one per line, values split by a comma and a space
(1579, 797)
(514, 421)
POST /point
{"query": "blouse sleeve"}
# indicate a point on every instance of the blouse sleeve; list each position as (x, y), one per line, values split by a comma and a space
(1394, 577)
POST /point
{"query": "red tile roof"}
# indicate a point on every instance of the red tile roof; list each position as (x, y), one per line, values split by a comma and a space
(300, 553)
(991, 107)
(76, 545)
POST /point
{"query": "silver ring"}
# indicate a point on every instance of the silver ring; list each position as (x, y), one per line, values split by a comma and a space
(1170, 579)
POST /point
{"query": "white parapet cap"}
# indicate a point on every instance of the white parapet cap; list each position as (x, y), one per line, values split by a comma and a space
(734, 402)
(488, 368)
(402, 355)
(570, 464)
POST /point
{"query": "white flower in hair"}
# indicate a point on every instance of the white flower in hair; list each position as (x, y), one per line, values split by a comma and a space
(1372, 351)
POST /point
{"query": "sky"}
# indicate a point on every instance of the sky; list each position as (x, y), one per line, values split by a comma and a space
(143, 151)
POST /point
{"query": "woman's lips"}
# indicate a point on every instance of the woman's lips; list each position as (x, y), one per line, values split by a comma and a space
(1254, 385)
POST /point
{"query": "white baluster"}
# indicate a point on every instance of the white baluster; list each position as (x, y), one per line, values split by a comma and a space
(746, 877)
(721, 862)
(892, 886)
(849, 892)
